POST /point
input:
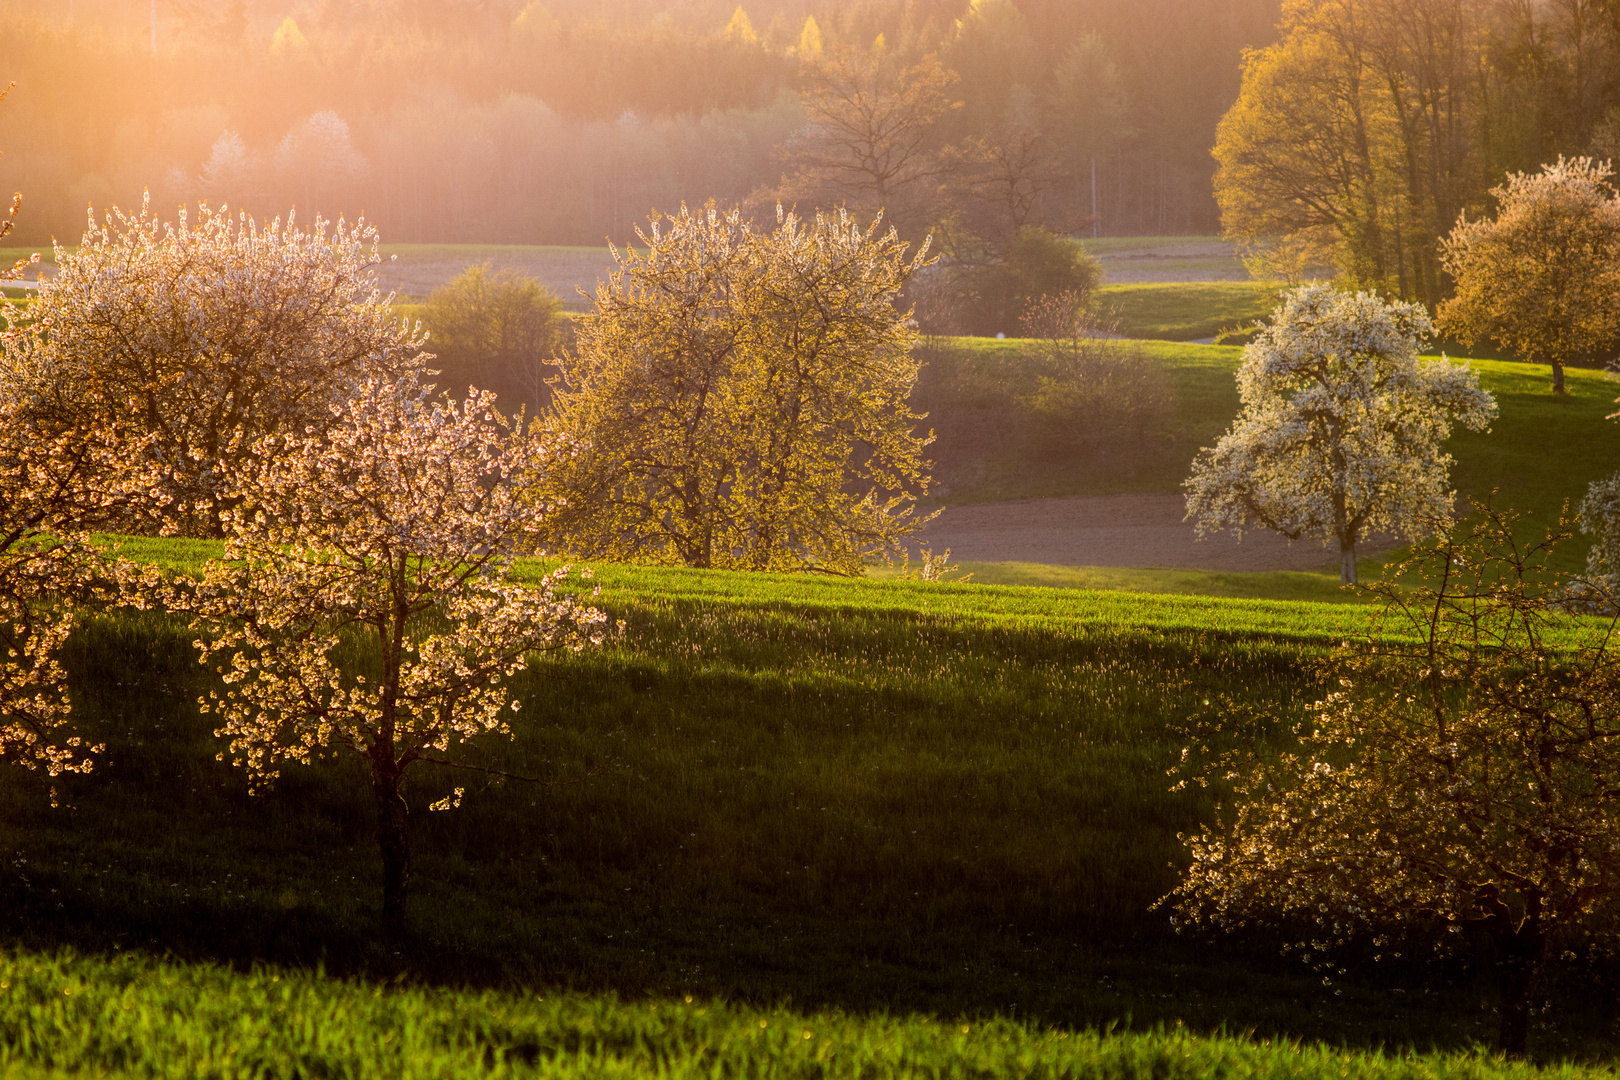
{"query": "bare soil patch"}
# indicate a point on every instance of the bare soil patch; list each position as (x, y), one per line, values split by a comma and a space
(1116, 530)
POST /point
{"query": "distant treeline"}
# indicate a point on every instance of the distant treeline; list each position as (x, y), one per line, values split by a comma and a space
(1369, 126)
(565, 122)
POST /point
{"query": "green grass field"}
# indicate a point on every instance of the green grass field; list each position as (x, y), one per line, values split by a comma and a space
(865, 799)
(1185, 311)
(71, 1016)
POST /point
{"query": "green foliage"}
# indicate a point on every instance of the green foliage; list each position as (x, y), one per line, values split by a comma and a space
(1037, 264)
(133, 1016)
(498, 330)
(738, 399)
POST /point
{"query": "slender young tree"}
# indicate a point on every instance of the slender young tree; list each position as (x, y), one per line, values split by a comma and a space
(1342, 428)
(1464, 774)
(870, 143)
(390, 534)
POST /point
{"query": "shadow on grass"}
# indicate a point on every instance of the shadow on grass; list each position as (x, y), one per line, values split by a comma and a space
(833, 813)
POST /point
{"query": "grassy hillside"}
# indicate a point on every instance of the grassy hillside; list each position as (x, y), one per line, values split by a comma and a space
(862, 796)
(1185, 311)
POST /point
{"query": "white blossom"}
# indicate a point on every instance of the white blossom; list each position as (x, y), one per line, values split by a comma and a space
(1342, 427)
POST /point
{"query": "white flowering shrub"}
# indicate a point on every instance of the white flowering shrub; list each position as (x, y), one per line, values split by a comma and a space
(362, 604)
(1342, 427)
(198, 339)
(1600, 518)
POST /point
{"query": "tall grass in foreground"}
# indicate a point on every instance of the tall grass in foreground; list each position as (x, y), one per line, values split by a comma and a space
(126, 1016)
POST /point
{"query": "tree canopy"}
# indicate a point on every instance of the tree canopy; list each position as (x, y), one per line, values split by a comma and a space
(500, 330)
(1342, 428)
(738, 399)
(1541, 277)
(194, 340)
(1369, 126)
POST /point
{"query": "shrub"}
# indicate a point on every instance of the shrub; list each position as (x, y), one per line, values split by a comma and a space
(500, 331)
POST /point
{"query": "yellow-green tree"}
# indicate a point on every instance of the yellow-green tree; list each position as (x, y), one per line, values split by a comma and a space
(1542, 276)
(738, 399)
(1356, 132)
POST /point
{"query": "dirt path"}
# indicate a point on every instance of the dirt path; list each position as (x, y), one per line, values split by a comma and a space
(1117, 530)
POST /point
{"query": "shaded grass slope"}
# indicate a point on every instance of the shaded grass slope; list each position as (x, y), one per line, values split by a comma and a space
(867, 796)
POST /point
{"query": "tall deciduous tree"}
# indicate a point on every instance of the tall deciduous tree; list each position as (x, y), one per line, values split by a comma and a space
(869, 142)
(1342, 428)
(199, 339)
(391, 534)
(1464, 774)
(738, 399)
(1541, 277)
(1360, 127)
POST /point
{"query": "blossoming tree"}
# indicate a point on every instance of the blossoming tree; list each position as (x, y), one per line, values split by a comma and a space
(198, 339)
(1541, 276)
(1342, 427)
(1464, 774)
(55, 484)
(738, 400)
(362, 604)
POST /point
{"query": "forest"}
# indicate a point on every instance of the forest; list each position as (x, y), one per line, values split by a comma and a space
(566, 122)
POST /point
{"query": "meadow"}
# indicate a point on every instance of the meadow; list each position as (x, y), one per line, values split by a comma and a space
(1185, 311)
(876, 809)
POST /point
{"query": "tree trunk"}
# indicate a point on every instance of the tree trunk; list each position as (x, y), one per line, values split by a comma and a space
(1347, 562)
(1518, 958)
(1558, 378)
(393, 841)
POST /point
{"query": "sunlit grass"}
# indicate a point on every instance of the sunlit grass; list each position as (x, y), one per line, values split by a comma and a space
(131, 1016)
(1268, 585)
(1185, 311)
